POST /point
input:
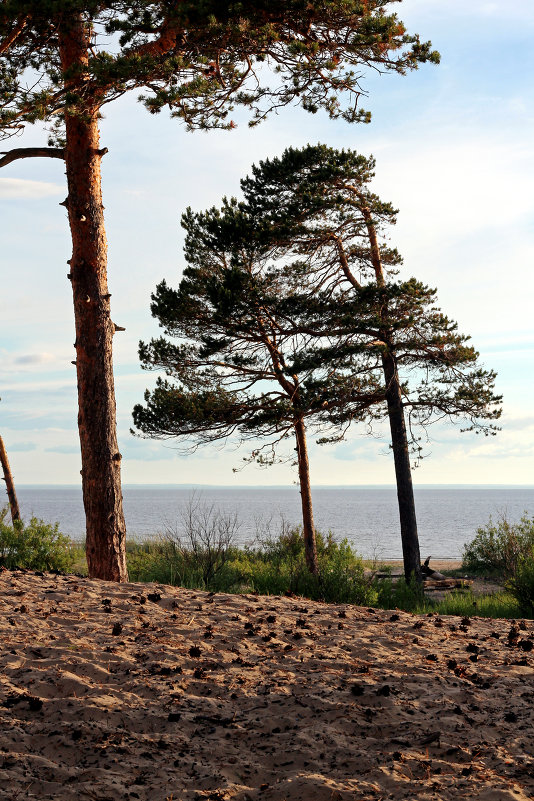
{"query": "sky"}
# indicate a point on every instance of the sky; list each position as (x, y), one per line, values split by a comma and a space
(453, 146)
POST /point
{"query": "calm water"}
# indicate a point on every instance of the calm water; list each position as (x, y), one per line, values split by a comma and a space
(447, 517)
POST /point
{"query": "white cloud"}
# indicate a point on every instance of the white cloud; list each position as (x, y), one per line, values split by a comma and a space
(19, 370)
(458, 184)
(520, 424)
(515, 342)
(23, 188)
(504, 451)
(63, 449)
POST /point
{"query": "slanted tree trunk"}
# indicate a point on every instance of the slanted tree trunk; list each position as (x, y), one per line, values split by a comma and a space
(403, 472)
(310, 545)
(10, 487)
(102, 495)
(399, 438)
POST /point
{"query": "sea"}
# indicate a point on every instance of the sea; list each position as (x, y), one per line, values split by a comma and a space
(367, 516)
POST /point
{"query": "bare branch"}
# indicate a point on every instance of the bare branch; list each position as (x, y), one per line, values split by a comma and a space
(31, 153)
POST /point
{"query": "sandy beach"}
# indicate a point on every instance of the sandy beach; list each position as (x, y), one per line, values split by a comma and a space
(143, 691)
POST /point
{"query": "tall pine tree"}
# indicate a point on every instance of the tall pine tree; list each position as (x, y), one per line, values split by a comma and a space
(316, 204)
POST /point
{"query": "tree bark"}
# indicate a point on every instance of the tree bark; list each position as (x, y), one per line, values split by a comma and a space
(10, 487)
(403, 472)
(310, 545)
(101, 484)
(15, 33)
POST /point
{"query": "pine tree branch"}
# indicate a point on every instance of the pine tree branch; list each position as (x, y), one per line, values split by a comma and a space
(31, 153)
(15, 33)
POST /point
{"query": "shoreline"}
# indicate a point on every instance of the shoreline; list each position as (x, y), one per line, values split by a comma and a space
(435, 564)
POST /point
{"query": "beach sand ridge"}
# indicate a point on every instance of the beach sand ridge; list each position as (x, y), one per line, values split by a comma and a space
(144, 691)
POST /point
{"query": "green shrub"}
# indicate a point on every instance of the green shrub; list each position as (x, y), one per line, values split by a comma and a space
(36, 546)
(342, 575)
(145, 563)
(499, 547)
(462, 603)
(521, 584)
(278, 566)
(465, 603)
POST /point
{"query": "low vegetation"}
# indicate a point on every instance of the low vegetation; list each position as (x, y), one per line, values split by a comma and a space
(463, 603)
(274, 566)
(199, 553)
(499, 547)
(506, 550)
(521, 584)
(35, 545)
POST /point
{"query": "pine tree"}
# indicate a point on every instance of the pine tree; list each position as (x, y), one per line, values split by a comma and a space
(245, 365)
(61, 61)
(316, 205)
(310, 222)
(10, 486)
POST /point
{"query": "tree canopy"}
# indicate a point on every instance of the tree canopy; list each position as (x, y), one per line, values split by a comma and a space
(312, 218)
(249, 357)
(199, 58)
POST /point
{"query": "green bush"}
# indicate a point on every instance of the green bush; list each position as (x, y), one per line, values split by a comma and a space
(342, 576)
(36, 546)
(146, 563)
(521, 584)
(465, 603)
(278, 566)
(500, 547)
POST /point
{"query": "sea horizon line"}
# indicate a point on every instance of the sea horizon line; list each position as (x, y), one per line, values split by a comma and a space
(132, 485)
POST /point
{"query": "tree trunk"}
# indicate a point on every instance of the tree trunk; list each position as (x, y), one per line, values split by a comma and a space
(399, 439)
(310, 545)
(102, 495)
(403, 473)
(10, 487)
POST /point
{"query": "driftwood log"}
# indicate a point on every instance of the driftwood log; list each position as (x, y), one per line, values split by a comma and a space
(433, 580)
(430, 585)
(428, 573)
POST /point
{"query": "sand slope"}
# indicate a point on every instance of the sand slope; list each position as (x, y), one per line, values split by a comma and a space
(199, 696)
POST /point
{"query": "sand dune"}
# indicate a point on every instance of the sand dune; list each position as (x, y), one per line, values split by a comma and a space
(141, 691)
